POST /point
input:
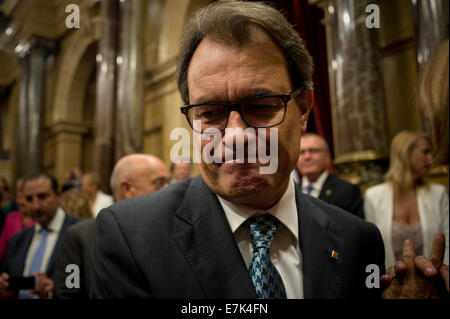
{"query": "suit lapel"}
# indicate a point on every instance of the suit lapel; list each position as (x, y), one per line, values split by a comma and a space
(326, 193)
(322, 274)
(203, 235)
(23, 250)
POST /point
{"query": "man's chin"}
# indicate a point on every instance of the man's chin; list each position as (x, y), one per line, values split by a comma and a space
(244, 188)
(240, 182)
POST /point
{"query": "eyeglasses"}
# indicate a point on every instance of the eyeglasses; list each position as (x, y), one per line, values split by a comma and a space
(257, 112)
(160, 182)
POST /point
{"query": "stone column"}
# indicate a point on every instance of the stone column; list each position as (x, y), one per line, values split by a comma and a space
(68, 146)
(130, 78)
(106, 88)
(358, 103)
(33, 54)
(22, 51)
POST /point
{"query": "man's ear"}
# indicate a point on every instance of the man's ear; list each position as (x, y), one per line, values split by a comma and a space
(306, 104)
(124, 188)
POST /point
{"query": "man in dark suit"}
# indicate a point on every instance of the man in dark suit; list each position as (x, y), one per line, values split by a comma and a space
(313, 165)
(33, 251)
(133, 175)
(237, 231)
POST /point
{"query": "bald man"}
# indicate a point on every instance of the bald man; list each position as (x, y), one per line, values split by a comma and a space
(133, 175)
(138, 174)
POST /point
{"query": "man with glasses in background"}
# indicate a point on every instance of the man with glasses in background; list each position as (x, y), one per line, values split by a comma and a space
(233, 231)
(313, 165)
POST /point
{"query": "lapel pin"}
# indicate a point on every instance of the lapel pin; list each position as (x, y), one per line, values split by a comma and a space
(334, 254)
(328, 192)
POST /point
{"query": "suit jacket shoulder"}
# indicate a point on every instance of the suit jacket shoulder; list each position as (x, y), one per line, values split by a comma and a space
(174, 243)
(343, 194)
(17, 251)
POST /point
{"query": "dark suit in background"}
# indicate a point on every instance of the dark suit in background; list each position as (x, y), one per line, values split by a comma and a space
(75, 249)
(177, 243)
(18, 248)
(338, 192)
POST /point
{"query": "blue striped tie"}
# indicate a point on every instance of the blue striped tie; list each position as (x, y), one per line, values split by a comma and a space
(309, 188)
(266, 279)
(36, 263)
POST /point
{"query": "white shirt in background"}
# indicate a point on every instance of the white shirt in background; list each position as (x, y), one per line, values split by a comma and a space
(317, 185)
(102, 200)
(54, 229)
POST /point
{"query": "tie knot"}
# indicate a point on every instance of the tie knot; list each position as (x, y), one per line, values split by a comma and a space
(309, 188)
(262, 230)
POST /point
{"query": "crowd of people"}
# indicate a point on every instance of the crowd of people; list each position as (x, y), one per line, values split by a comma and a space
(232, 232)
(38, 203)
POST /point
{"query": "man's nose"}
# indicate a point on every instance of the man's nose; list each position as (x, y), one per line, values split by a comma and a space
(35, 203)
(235, 120)
(306, 154)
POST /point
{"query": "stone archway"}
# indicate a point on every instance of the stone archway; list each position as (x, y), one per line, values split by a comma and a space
(69, 128)
(74, 54)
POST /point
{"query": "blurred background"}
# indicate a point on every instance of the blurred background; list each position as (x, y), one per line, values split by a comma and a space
(84, 97)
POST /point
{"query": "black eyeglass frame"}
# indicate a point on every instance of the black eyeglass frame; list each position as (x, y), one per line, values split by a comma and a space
(236, 106)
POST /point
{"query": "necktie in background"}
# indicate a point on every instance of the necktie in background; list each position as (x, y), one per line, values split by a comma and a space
(266, 279)
(309, 189)
(36, 263)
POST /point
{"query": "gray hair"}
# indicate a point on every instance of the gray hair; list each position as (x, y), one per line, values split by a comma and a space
(326, 148)
(232, 23)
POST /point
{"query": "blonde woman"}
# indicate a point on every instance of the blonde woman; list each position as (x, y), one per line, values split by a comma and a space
(76, 203)
(406, 206)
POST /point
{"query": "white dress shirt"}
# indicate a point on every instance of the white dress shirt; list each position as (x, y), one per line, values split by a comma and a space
(54, 228)
(102, 200)
(285, 250)
(317, 185)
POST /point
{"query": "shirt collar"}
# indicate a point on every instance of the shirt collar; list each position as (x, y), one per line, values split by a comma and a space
(285, 211)
(56, 223)
(317, 184)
